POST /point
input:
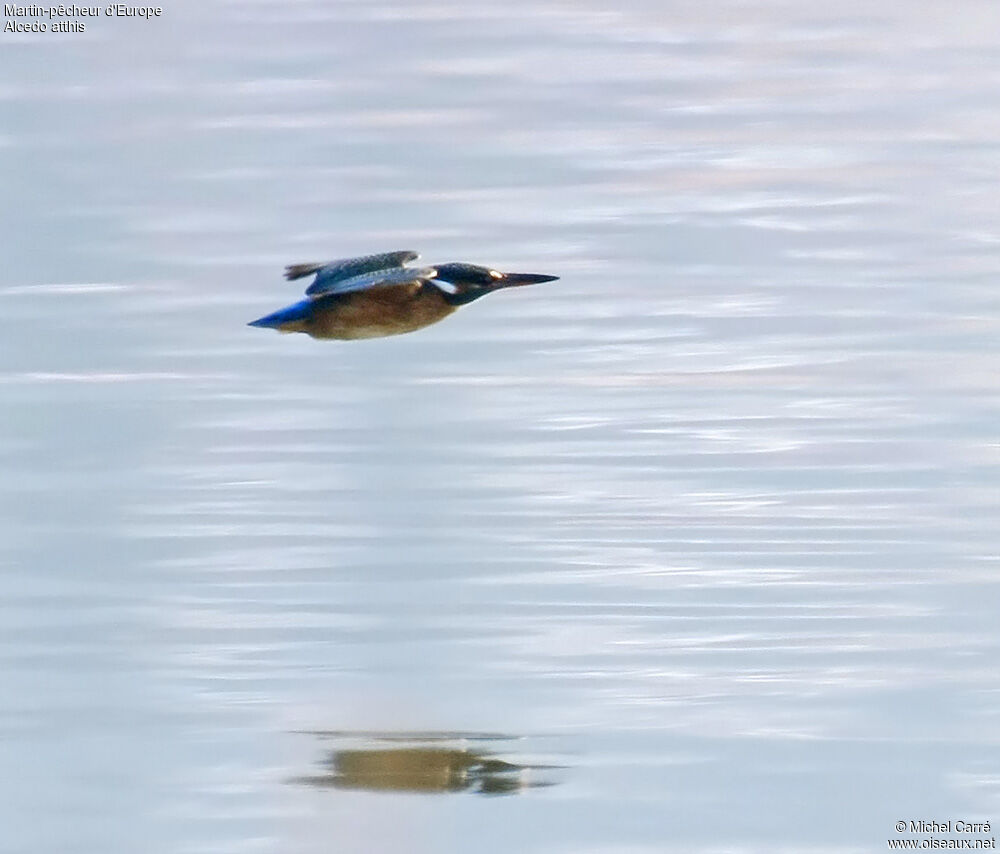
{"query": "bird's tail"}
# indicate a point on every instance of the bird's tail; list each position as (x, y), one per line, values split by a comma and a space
(297, 271)
(281, 319)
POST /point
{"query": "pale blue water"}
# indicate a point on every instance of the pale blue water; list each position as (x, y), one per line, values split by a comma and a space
(693, 550)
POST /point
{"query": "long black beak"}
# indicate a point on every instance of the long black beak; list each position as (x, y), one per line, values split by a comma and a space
(513, 280)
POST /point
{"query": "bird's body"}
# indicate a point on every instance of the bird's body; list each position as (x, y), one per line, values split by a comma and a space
(372, 313)
(375, 295)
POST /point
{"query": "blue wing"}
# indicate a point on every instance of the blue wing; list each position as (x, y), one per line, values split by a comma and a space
(347, 268)
(376, 279)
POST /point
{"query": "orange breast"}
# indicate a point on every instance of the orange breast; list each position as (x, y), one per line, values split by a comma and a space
(377, 312)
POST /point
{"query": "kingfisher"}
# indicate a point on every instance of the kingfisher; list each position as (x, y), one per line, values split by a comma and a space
(378, 295)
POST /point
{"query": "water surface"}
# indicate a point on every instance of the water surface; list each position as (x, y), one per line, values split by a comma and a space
(702, 536)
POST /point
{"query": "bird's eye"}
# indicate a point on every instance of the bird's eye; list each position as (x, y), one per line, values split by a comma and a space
(496, 275)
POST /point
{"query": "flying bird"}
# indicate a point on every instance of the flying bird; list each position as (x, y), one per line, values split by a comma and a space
(377, 295)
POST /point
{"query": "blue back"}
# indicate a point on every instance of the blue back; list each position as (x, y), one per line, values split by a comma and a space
(348, 268)
(377, 278)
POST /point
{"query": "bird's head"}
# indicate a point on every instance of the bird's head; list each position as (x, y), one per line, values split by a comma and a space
(470, 281)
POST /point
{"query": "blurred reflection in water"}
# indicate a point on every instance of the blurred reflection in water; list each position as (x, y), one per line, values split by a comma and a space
(424, 762)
